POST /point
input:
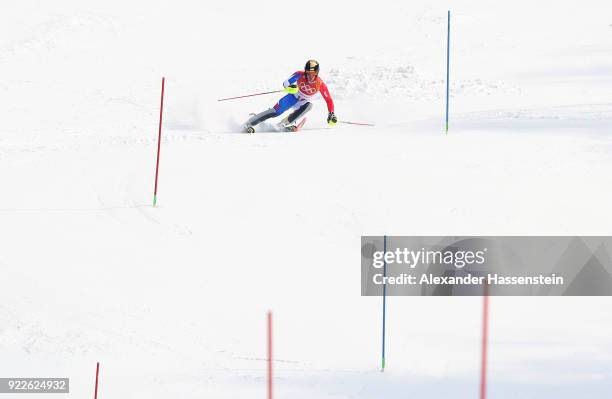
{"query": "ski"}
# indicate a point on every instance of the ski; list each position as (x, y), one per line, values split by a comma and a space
(292, 128)
(296, 128)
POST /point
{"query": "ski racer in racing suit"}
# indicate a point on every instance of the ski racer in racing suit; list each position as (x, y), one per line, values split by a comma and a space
(301, 88)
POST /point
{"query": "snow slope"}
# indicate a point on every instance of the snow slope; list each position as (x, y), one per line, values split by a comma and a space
(172, 300)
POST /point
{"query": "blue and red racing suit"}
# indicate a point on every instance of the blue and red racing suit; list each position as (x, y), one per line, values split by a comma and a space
(305, 94)
(300, 101)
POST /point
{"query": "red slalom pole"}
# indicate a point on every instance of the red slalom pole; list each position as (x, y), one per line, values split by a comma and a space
(97, 373)
(161, 111)
(269, 355)
(250, 95)
(485, 336)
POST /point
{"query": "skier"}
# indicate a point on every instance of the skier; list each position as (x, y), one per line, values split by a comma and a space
(301, 88)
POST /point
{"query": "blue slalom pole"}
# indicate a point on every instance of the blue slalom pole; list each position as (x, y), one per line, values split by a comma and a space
(384, 302)
(447, 69)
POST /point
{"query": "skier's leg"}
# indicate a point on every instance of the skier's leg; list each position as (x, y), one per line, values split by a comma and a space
(298, 113)
(260, 117)
(283, 105)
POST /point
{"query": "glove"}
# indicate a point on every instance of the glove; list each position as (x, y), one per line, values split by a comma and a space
(332, 119)
(292, 89)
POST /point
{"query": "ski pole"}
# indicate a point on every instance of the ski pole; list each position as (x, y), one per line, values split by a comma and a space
(250, 95)
(356, 123)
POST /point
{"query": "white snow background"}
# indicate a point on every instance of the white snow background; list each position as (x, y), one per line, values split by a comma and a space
(172, 300)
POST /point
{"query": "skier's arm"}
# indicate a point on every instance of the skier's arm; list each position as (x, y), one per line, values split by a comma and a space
(331, 117)
(289, 84)
(327, 97)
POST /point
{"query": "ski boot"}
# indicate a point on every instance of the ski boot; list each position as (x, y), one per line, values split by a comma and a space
(287, 126)
(291, 127)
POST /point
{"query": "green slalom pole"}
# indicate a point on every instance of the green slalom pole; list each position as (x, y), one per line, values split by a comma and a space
(384, 309)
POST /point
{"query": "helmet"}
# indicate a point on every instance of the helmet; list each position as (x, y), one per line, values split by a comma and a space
(311, 66)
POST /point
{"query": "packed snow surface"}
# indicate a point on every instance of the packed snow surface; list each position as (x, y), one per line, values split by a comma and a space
(172, 300)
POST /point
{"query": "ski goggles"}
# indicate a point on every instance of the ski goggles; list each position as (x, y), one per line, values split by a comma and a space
(311, 75)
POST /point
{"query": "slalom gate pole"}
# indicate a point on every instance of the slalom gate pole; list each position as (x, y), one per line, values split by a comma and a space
(250, 95)
(384, 318)
(161, 111)
(97, 373)
(356, 123)
(447, 68)
(485, 337)
(269, 355)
